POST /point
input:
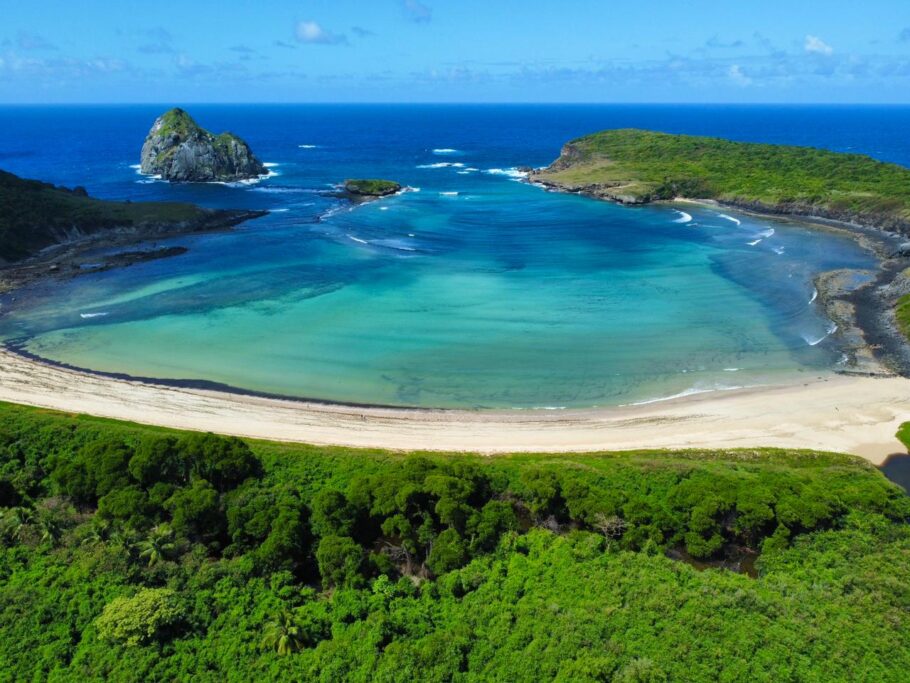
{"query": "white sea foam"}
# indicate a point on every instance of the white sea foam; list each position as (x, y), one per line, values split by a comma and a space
(766, 233)
(448, 194)
(445, 150)
(443, 164)
(511, 172)
(778, 250)
(357, 239)
(89, 316)
(279, 210)
(308, 146)
(383, 208)
(814, 295)
(136, 167)
(814, 341)
(753, 242)
(270, 164)
(463, 172)
(732, 369)
(692, 391)
(731, 218)
(683, 217)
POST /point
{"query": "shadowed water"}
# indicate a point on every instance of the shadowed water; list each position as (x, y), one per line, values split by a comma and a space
(475, 291)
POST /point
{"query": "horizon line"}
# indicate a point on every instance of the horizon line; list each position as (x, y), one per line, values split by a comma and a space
(464, 103)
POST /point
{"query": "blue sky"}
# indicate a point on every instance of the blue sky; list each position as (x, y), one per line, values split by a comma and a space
(454, 51)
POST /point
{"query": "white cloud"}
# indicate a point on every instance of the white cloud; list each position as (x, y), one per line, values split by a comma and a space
(736, 75)
(417, 11)
(817, 46)
(311, 32)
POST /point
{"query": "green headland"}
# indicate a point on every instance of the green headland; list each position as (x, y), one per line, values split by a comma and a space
(639, 166)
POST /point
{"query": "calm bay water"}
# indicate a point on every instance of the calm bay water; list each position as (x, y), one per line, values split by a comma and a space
(475, 291)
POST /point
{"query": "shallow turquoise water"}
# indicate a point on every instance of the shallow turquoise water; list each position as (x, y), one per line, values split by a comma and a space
(500, 296)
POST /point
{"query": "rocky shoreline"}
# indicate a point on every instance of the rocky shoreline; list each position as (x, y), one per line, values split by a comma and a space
(80, 256)
(860, 303)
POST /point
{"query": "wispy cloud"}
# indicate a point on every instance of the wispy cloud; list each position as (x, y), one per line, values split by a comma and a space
(32, 41)
(159, 41)
(286, 45)
(417, 11)
(716, 41)
(312, 33)
(816, 46)
(362, 32)
(904, 36)
(736, 75)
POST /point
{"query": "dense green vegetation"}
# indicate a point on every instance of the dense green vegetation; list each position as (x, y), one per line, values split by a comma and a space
(371, 187)
(35, 215)
(143, 554)
(646, 165)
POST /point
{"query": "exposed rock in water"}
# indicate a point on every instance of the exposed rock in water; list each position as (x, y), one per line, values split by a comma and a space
(177, 149)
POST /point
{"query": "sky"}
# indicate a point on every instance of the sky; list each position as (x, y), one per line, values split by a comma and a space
(132, 51)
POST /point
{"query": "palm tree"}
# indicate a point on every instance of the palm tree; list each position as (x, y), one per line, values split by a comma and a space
(159, 545)
(99, 532)
(284, 635)
(15, 522)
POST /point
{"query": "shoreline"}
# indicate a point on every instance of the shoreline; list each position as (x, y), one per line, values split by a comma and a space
(863, 313)
(843, 413)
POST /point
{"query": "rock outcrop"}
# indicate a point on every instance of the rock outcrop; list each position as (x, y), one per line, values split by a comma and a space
(179, 150)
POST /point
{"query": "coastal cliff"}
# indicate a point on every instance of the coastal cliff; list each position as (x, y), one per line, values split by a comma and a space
(179, 150)
(44, 228)
(632, 166)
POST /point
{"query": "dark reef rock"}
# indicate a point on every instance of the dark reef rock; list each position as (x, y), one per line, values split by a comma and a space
(370, 188)
(179, 150)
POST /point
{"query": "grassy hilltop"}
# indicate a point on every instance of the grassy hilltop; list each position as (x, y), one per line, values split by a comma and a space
(638, 166)
(134, 553)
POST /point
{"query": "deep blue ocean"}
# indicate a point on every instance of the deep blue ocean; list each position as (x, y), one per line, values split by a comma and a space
(472, 290)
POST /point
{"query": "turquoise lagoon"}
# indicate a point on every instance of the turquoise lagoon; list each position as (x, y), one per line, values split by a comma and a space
(473, 290)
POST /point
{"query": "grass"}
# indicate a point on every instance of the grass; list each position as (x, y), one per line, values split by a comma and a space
(649, 166)
(902, 313)
(35, 215)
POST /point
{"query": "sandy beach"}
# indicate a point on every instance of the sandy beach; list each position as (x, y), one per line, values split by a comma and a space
(850, 414)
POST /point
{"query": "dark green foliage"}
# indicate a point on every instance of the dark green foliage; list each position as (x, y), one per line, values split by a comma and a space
(35, 215)
(371, 187)
(207, 559)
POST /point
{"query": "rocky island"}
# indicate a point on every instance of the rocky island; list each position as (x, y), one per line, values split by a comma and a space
(44, 228)
(179, 150)
(369, 188)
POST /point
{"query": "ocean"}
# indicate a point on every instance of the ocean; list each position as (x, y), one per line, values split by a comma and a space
(472, 290)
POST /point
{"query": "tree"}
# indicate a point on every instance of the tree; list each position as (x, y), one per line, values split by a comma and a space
(159, 459)
(158, 546)
(332, 514)
(196, 512)
(340, 559)
(224, 462)
(449, 552)
(284, 635)
(150, 614)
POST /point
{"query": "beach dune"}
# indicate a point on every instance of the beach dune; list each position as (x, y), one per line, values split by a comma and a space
(850, 414)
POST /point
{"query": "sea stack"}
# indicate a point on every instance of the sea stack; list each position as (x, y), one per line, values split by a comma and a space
(179, 150)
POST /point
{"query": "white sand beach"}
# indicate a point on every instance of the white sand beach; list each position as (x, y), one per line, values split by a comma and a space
(849, 414)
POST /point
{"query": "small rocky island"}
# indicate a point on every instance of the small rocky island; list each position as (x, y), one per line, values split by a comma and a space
(179, 150)
(369, 188)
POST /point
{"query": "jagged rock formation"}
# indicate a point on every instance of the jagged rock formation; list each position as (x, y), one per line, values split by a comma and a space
(179, 150)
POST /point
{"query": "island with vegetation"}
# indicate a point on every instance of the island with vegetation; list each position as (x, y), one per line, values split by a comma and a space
(137, 553)
(179, 150)
(369, 188)
(44, 228)
(638, 166)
